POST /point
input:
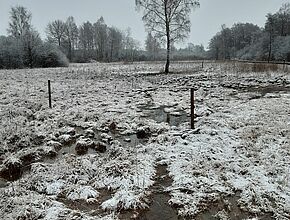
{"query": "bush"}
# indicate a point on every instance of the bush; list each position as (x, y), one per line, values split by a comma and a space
(50, 56)
(13, 55)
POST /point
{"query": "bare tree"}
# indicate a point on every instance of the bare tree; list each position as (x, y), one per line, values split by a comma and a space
(71, 35)
(269, 27)
(55, 31)
(167, 19)
(152, 46)
(26, 37)
(284, 19)
(86, 39)
(130, 46)
(114, 43)
(100, 38)
(20, 21)
(30, 42)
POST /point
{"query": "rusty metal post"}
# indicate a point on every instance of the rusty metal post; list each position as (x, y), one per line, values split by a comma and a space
(192, 108)
(49, 94)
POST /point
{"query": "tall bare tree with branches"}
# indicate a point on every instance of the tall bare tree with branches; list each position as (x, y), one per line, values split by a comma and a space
(167, 19)
(20, 21)
(55, 31)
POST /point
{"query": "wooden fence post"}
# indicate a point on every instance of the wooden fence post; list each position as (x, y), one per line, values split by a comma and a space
(192, 108)
(49, 94)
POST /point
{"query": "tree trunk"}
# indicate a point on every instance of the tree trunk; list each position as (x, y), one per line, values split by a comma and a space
(111, 52)
(70, 51)
(168, 41)
(168, 56)
(270, 48)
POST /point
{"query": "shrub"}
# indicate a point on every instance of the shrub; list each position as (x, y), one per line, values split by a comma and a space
(50, 56)
(13, 55)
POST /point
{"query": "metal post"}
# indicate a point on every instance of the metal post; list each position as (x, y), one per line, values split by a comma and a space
(202, 65)
(192, 108)
(49, 94)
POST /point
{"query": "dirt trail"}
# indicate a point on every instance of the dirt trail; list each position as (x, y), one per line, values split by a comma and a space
(159, 207)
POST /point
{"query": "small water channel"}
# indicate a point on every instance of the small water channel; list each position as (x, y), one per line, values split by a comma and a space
(167, 114)
(268, 89)
(262, 91)
(159, 207)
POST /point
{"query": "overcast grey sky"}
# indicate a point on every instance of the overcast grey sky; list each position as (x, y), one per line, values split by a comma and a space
(206, 20)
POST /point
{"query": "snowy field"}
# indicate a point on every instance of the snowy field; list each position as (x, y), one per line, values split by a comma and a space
(117, 143)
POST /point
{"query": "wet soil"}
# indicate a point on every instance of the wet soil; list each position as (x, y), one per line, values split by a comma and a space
(127, 140)
(262, 91)
(159, 207)
(166, 114)
(92, 208)
(229, 206)
(3, 183)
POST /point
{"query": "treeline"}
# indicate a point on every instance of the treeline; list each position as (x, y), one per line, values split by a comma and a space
(89, 42)
(92, 41)
(23, 48)
(97, 41)
(250, 42)
(155, 51)
(66, 42)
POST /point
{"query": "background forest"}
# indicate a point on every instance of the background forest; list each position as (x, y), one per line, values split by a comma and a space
(96, 41)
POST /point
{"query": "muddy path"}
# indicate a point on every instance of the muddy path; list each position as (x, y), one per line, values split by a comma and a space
(159, 207)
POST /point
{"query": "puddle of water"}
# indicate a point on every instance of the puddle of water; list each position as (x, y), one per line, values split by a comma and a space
(3, 183)
(79, 205)
(230, 206)
(160, 114)
(262, 91)
(13, 173)
(128, 140)
(268, 89)
(256, 92)
(94, 208)
(160, 208)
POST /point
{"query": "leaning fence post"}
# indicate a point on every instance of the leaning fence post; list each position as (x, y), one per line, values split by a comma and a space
(192, 108)
(49, 94)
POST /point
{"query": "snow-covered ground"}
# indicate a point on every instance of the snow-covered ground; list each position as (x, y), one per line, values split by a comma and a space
(97, 152)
